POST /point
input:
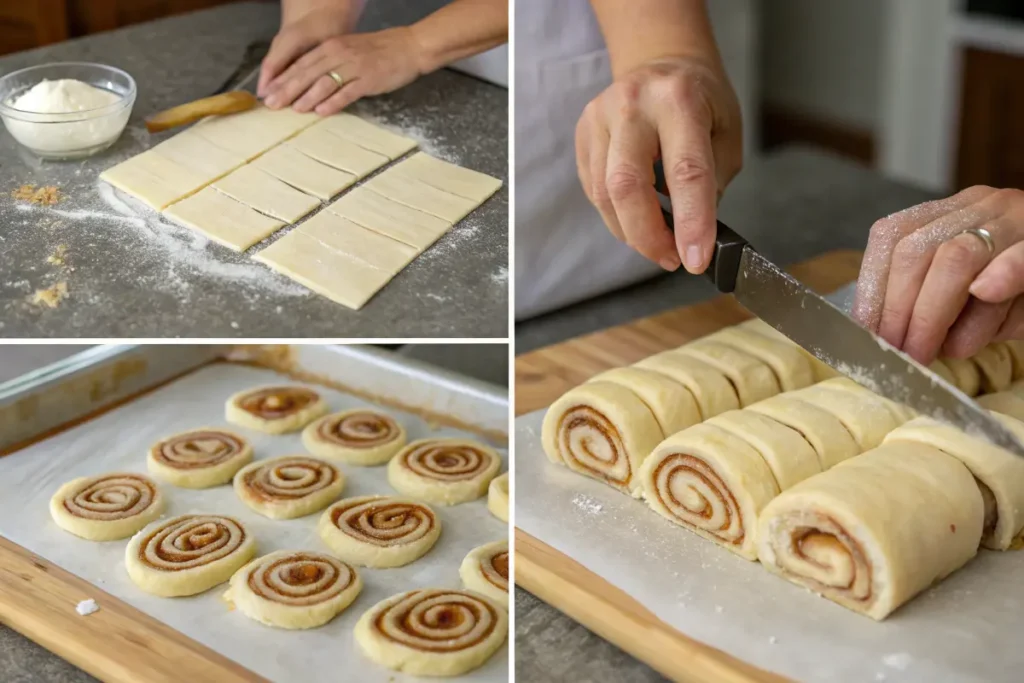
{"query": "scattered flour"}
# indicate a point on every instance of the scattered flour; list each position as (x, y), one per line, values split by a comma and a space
(898, 660)
(87, 607)
(500, 277)
(587, 504)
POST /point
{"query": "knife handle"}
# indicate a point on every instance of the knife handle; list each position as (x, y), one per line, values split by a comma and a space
(729, 244)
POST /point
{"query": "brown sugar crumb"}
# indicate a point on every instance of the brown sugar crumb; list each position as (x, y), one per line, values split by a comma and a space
(47, 195)
(57, 257)
(51, 296)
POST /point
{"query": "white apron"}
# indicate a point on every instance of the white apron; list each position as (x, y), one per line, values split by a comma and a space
(564, 252)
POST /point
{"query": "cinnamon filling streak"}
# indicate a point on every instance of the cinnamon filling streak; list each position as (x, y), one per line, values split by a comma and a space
(445, 461)
(359, 430)
(114, 497)
(602, 450)
(383, 522)
(191, 541)
(301, 579)
(195, 450)
(720, 515)
(277, 402)
(437, 621)
(289, 478)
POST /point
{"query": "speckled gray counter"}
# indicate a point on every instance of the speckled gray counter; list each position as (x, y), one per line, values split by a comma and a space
(138, 276)
(793, 205)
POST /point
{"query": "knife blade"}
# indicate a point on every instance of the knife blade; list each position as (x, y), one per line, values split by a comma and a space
(831, 336)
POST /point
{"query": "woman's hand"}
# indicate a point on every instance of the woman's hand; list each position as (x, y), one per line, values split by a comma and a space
(683, 111)
(368, 63)
(928, 289)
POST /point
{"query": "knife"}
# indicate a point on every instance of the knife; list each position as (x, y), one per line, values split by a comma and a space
(831, 336)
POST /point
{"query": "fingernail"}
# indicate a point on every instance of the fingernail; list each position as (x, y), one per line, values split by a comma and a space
(670, 263)
(694, 257)
(272, 101)
(980, 284)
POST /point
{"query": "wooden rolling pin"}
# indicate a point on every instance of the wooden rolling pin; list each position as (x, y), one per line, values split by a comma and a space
(183, 114)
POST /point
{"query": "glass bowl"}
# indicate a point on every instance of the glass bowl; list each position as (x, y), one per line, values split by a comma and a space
(76, 134)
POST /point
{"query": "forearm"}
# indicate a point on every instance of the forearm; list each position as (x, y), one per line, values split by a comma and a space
(350, 10)
(458, 30)
(642, 30)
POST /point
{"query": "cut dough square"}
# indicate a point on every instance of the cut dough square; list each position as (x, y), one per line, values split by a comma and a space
(397, 221)
(196, 153)
(252, 132)
(356, 241)
(155, 180)
(222, 219)
(368, 135)
(318, 142)
(446, 176)
(298, 170)
(401, 188)
(336, 275)
(264, 192)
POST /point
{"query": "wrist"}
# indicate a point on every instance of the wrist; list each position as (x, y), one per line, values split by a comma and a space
(426, 57)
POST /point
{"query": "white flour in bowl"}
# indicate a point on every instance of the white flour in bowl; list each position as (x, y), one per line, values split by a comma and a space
(44, 123)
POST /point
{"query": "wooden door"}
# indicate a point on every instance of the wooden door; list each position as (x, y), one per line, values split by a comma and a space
(991, 150)
(25, 24)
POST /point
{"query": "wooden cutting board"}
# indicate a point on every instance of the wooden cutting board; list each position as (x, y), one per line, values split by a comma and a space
(544, 375)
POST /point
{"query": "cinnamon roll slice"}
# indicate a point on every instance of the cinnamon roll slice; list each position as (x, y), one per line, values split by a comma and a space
(432, 632)
(823, 430)
(711, 482)
(288, 487)
(671, 403)
(1016, 349)
(275, 409)
(865, 417)
(200, 458)
(997, 470)
(995, 365)
(497, 497)
(356, 437)
(751, 377)
(379, 531)
(444, 471)
(485, 570)
(714, 393)
(1005, 402)
(294, 589)
(787, 361)
(106, 507)
(603, 431)
(188, 554)
(876, 530)
(966, 375)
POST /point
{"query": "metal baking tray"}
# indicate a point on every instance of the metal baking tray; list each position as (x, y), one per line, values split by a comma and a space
(97, 410)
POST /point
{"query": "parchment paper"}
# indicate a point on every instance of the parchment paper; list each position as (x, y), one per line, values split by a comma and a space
(120, 439)
(967, 628)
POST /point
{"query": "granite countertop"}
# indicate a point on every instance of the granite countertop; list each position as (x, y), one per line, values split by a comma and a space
(792, 205)
(137, 276)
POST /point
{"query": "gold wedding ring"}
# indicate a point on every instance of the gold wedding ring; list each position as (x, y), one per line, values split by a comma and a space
(984, 235)
(336, 78)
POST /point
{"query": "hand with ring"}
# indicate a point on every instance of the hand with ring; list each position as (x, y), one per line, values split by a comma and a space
(946, 277)
(344, 68)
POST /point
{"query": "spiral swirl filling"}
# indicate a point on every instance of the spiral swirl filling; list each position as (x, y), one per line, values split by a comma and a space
(695, 495)
(277, 402)
(438, 621)
(191, 541)
(446, 462)
(301, 579)
(383, 522)
(110, 498)
(359, 430)
(815, 549)
(495, 570)
(588, 439)
(289, 478)
(196, 450)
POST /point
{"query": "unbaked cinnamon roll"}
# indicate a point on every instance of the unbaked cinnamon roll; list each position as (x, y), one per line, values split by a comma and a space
(432, 632)
(444, 471)
(485, 570)
(355, 437)
(276, 409)
(288, 487)
(200, 458)
(106, 507)
(379, 531)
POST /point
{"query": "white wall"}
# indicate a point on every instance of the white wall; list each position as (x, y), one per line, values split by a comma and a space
(824, 58)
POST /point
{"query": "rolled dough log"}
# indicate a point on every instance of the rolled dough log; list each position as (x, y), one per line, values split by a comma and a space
(711, 482)
(874, 531)
(200, 458)
(356, 437)
(443, 471)
(485, 570)
(1000, 471)
(788, 455)
(671, 403)
(1006, 402)
(826, 434)
(497, 497)
(713, 392)
(274, 409)
(294, 589)
(379, 531)
(602, 431)
(288, 487)
(751, 377)
(106, 507)
(432, 632)
(223, 219)
(787, 361)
